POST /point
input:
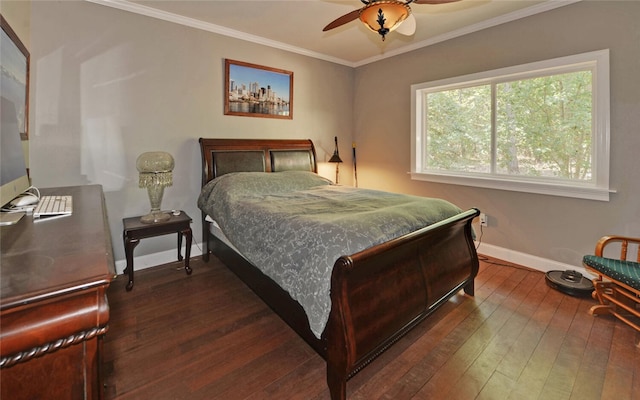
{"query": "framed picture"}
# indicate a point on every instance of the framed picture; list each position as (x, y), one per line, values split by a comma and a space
(14, 63)
(255, 91)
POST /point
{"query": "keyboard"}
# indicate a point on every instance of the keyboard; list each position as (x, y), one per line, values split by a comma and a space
(51, 206)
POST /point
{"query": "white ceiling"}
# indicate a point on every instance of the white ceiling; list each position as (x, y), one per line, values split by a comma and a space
(296, 25)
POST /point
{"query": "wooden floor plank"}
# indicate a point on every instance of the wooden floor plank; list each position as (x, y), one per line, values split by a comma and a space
(562, 377)
(207, 336)
(477, 331)
(477, 376)
(591, 372)
(538, 368)
(539, 309)
(622, 369)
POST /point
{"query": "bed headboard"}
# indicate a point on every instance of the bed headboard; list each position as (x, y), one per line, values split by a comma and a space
(221, 156)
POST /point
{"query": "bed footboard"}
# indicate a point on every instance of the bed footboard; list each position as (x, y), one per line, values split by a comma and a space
(381, 293)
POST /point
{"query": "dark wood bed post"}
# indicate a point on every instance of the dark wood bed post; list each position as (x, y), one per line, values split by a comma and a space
(337, 384)
(339, 340)
(205, 238)
(470, 288)
(337, 375)
(206, 176)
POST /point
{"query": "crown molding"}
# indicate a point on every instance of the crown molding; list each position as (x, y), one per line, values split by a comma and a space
(503, 19)
(209, 27)
(221, 30)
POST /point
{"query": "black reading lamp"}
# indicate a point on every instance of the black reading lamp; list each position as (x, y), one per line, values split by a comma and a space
(335, 158)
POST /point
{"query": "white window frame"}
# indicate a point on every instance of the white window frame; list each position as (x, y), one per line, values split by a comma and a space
(597, 189)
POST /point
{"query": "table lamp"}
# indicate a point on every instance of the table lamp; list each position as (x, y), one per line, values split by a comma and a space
(155, 170)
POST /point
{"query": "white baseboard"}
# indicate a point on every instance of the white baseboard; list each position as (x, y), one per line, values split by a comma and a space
(154, 259)
(528, 260)
(512, 256)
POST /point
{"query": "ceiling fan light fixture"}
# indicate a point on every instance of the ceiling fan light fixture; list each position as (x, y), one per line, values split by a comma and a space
(384, 16)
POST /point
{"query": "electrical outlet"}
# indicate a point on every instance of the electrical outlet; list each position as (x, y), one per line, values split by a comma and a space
(484, 219)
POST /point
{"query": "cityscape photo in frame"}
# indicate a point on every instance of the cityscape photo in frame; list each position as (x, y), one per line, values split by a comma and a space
(256, 91)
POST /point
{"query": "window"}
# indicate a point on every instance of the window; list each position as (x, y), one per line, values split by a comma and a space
(539, 128)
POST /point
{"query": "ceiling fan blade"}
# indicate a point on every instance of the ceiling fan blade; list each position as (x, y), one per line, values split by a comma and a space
(342, 20)
(408, 26)
(433, 1)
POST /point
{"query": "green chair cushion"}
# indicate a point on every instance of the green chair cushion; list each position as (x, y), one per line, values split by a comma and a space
(627, 272)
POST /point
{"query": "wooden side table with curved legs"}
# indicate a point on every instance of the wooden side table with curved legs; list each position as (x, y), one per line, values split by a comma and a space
(134, 230)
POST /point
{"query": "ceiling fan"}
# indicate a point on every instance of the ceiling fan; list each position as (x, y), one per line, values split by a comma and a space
(384, 16)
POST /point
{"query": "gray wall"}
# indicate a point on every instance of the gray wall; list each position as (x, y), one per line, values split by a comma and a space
(108, 85)
(554, 228)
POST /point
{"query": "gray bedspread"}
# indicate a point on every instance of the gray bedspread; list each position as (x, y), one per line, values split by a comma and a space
(295, 225)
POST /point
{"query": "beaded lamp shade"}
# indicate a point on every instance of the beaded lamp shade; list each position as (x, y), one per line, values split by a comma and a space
(156, 173)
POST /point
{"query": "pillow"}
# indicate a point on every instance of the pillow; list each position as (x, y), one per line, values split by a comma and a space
(247, 184)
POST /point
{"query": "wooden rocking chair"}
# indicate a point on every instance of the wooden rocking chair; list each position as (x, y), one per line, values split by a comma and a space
(617, 285)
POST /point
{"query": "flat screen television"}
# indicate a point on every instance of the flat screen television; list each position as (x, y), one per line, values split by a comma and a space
(13, 169)
(14, 90)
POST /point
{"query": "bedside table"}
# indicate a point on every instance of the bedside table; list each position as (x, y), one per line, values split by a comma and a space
(134, 230)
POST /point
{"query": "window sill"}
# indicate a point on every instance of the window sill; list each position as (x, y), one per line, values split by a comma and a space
(580, 192)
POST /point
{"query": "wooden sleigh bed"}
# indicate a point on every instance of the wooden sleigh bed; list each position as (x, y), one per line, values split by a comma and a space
(377, 295)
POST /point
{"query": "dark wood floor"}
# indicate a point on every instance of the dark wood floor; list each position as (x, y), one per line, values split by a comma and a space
(207, 336)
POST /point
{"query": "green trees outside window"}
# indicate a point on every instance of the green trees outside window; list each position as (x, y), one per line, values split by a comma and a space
(543, 127)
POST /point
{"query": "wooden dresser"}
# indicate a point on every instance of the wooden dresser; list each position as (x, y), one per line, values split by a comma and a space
(54, 276)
